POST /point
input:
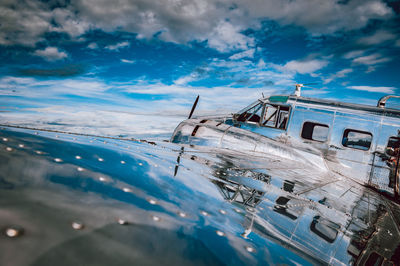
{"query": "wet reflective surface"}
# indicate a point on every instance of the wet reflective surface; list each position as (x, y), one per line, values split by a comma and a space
(78, 200)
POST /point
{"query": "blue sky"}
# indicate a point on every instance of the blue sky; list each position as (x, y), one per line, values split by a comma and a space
(105, 66)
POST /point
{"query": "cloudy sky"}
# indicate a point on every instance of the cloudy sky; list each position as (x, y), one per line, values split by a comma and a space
(106, 66)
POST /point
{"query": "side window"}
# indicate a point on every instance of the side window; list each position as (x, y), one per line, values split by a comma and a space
(356, 139)
(325, 229)
(315, 131)
(393, 146)
(276, 116)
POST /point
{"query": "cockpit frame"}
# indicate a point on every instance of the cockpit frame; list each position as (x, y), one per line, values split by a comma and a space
(259, 113)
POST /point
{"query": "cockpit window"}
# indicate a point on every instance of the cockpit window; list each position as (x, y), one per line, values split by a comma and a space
(276, 116)
(267, 115)
(253, 114)
(356, 139)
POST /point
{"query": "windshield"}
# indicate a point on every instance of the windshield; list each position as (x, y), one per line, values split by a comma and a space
(251, 113)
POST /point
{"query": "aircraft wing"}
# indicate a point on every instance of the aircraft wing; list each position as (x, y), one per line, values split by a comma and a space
(68, 199)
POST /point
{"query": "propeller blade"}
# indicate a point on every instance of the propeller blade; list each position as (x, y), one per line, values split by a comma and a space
(312, 88)
(178, 159)
(194, 106)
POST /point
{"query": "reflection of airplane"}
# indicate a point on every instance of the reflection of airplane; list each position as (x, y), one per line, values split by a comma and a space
(335, 222)
(69, 199)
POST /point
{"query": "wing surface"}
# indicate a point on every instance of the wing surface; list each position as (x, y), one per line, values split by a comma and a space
(69, 199)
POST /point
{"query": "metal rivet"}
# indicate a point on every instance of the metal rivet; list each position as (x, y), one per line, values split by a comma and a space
(58, 160)
(100, 159)
(140, 164)
(204, 213)
(220, 233)
(77, 225)
(80, 169)
(250, 209)
(125, 189)
(39, 152)
(102, 179)
(5, 139)
(222, 211)
(14, 232)
(250, 249)
(152, 201)
(237, 210)
(78, 157)
(21, 145)
(156, 218)
(9, 149)
(123, 162)
(122, 222)
(182, 214)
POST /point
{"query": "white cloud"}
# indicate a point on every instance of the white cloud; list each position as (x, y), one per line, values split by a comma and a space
(227, 37)
(108, 112)
(388, 90)
(340, 74)
(37, 89)
(242, 72)
(344, 72)
(261, 63)
(186, 79)
(117, 46)
(10, 81)
(320, 16)
(245, 54)
(177, 97)
(377, 38)
(306, 66)
(370, 69)
(95, 120)
(66, 21)
(51, 54)
(127, 61)
(372, 59)
(23, 23)
(220, 23)
(353, 54)
(93, 45)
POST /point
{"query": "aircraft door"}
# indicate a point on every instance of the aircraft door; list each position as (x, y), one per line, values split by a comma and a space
(385, 172)
(351, 146)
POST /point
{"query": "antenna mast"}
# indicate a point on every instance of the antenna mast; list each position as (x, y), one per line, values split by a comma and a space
(297, 92)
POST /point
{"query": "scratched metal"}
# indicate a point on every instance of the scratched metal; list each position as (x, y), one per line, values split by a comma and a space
(79, 200)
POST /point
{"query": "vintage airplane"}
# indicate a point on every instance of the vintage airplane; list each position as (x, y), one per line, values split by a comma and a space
(357, 141)
(272, 184)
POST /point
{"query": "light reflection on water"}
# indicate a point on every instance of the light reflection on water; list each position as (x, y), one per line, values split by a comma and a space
(179, 206)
